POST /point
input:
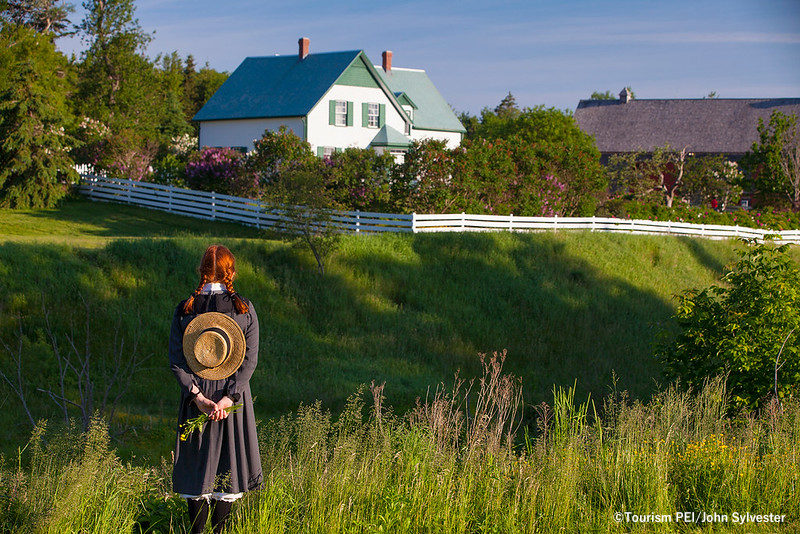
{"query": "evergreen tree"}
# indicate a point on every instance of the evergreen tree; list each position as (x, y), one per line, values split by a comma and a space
(43, 16)
(507, 109)
(34, 149)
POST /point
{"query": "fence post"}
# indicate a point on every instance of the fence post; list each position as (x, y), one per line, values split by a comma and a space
(511, 222)
(128, 193)
(413, 222)
(213, 205)
(169, 197)
(555, 223)
(592, 223)
(463, 221)
(358, 221)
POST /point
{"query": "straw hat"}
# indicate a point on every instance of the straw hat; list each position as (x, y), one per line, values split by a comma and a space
(213, 345)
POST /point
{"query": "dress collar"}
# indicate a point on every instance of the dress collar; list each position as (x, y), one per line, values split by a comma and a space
(213, 288)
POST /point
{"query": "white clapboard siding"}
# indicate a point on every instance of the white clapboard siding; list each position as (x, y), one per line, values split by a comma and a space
(251, 212)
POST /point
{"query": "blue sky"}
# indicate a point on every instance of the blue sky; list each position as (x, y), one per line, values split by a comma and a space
(551, 53)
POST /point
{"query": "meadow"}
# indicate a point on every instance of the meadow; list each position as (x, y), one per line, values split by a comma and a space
(594, 429)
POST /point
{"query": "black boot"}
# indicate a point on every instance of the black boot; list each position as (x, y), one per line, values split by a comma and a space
(198, 514)
(220, 511)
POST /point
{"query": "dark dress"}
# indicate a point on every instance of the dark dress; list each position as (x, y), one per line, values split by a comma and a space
(224, 457)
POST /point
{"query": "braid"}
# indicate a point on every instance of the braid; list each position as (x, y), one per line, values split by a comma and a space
(188, 307)
(217, 265)
(238, 303)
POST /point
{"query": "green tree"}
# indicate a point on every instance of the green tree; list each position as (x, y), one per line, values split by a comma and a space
(303, 197)
(362, 179)
(747, 328)
(276, 153)
(712, 178)
(173, 122)
(774, 160)
(35, 165)
(608, 95)
(287, 174)
(423, 182)
(199, 86)
(507, 109)
(43, 16)
(119, 89)
(562, 150)
(648, 176)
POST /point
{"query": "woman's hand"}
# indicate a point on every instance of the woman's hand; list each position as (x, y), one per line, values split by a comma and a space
(207, 406)
(220, 413)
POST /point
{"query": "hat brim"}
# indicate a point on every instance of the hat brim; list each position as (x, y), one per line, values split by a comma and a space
(229, 365)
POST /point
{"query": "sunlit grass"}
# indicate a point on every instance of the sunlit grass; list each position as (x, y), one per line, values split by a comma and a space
(405, 309)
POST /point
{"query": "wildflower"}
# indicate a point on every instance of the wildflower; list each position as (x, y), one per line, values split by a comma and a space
(199, 422)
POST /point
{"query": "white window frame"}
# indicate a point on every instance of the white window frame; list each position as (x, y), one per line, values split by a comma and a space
(341, 113)
(373, 115)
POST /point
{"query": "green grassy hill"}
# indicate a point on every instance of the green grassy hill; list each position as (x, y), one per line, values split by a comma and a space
(410, 310)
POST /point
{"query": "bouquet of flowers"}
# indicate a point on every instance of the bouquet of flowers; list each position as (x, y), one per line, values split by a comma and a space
(199, 422)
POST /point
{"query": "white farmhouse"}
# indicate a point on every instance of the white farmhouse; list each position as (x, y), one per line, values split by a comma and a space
(333, 100)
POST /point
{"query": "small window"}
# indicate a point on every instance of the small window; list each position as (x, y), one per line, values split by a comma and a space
(341, 113)
(373, 115)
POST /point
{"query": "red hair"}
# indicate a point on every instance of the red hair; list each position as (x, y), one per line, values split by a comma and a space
(217, 266)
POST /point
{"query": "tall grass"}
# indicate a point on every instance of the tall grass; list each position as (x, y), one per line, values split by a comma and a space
(442, 468)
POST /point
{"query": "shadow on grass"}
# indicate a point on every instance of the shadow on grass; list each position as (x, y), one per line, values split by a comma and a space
(408, 310)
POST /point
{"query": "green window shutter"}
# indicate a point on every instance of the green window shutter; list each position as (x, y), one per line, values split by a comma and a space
(332, 112)
(339, 150)
(349, 113)
(382, 116)
(364, 114)
(320, 151)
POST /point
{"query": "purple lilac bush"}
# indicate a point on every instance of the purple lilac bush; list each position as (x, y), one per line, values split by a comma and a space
(217, 169)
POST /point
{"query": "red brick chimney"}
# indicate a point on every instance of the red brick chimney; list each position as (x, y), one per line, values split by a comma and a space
(387, 60)
(304, 43)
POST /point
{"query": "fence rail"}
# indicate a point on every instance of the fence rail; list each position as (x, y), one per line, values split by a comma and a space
(251, 212)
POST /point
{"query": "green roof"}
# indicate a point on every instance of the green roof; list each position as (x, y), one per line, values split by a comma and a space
(391, 138)
(286, 86)
(276, 86)
(433, 112)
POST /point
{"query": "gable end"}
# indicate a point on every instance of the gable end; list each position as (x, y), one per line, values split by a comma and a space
(357, 75)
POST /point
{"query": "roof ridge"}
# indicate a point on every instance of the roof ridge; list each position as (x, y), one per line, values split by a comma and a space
(342, 52)
(405, 69)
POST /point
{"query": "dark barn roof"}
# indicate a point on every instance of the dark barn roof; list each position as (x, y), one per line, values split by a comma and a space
(709, 125)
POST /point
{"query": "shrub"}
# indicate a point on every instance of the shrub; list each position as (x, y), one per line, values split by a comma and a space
(217, 169)
(748, 328)
(276, 153)
(362, 179)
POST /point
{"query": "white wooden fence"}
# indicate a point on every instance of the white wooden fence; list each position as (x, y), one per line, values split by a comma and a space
(262, 215)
